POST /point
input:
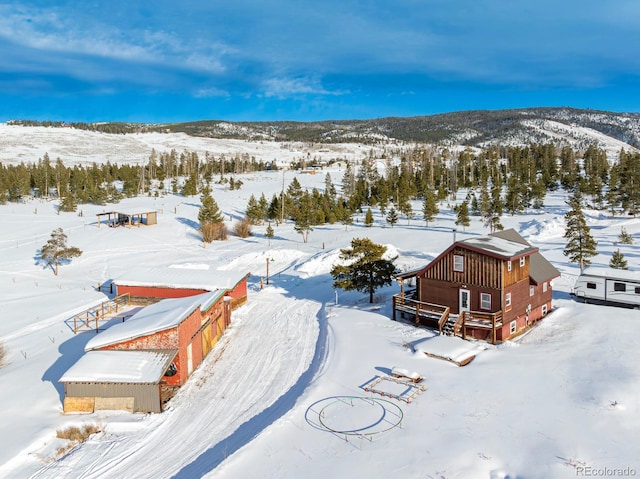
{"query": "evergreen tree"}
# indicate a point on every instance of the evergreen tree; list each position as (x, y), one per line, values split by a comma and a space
(392, 216)
(429, 206)
(363, 267)
(190, 187)
(462, 215)
(624, 237)
(254, 213)
(209, 211)
(368, 218)
(68, 203)
(275, 209)
(212, 224)
(618, 261)
(304, 218)
(263, 206)
(56, 250)
(269, 233)
(581, 246)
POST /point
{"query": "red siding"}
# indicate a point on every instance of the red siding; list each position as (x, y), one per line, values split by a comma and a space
(158, 291)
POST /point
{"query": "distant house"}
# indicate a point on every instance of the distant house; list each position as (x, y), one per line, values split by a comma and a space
(138, 364)
(491, 288)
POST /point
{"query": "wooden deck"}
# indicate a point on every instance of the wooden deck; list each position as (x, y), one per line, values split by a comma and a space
(89, 319)
(440, 317)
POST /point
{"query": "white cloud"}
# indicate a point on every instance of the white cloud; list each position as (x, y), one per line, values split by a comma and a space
(48, 31)
(288, 87)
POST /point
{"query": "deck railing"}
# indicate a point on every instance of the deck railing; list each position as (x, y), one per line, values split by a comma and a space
(420, 309)
(89, 318)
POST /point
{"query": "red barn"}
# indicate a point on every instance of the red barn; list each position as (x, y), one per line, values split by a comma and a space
(490, 288)
(178, 281)
(172, 337)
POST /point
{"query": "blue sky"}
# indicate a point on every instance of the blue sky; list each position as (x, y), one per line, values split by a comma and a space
(164, 61)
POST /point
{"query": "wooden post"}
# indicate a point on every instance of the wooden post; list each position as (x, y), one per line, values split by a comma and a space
(493, 339)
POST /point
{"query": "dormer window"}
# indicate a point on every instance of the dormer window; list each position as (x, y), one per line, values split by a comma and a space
(458, 262)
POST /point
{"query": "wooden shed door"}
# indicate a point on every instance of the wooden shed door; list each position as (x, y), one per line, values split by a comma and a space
(465, 295)
(206, 341)
(189, 359)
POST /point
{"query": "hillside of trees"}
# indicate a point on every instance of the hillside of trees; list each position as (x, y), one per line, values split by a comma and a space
(498, 181)
(469, 128)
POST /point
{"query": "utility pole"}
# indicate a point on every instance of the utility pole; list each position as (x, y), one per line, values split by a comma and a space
(282, 200)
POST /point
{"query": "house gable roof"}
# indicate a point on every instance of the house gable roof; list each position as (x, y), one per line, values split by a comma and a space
(540, 269)
(505, 245)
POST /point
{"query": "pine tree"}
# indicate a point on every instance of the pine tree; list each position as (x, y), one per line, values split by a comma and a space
(392, 216)
(209, 211)
(617, 260)
(368, 218)
(462, 215)
(429, 206)
(253, 212)
(68, 203)
(304, 217)
(269, 233)
(363, 267)
(624, 237)
(212, 224)
(581, 246)
(56, 250)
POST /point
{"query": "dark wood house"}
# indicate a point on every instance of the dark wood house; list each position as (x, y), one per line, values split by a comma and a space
(491, 288)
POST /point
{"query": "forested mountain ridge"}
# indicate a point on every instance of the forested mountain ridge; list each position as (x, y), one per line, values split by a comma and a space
(573, 127)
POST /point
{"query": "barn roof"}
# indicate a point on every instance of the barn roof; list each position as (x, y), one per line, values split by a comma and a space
(120, 366)
(186, 275)
(166, 314)
(540, 268)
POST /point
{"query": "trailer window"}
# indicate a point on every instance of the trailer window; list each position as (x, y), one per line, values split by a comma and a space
(591, 286)
(619, 287)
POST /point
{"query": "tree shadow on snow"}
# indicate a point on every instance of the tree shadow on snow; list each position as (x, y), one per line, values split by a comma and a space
(70, 352)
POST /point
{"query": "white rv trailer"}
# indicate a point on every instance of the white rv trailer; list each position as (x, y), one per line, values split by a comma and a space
(608, 285)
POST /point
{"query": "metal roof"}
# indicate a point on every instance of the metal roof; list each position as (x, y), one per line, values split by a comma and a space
(121, 366)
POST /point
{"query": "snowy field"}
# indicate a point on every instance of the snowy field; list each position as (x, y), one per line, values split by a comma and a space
(561, 399)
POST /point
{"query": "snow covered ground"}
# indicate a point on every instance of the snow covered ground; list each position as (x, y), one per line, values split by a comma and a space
(564, 397)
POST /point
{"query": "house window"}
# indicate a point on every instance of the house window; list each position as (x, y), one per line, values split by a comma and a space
(513, 326)
(458, 262)
(544, 310)
(508, 265)
(637, 289)
(507, 300)
(522, 262)
(591, 286)
(544, 287)
(619, 287)
(532, 290)
(485, 301)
